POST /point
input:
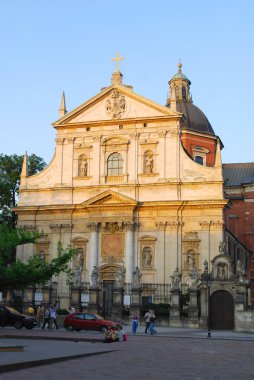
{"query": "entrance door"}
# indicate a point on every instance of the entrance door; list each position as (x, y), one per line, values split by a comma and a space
(107, 298)
(222, 310)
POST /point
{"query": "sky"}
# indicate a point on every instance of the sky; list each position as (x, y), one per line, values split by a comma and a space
(52, 46)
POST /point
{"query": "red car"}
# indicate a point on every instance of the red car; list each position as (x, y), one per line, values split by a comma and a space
(87, 321)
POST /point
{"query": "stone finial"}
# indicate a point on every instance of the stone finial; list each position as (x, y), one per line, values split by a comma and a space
(62, 108)
(24, 172)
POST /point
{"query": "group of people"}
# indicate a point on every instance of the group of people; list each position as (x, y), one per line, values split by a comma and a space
(48, 316)
(115, 334)
(149, 321)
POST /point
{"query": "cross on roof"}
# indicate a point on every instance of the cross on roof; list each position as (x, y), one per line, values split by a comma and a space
(117, 59)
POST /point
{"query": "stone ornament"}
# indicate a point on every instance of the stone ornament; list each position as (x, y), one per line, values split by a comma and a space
(115, 105)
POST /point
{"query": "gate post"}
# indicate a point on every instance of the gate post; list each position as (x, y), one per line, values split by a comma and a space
(93, 299)
(117, 303)
(174, 314)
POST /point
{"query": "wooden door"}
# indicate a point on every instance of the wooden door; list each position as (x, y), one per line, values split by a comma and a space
(222, 310)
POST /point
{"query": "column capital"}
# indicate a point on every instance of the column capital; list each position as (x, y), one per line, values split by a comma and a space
(93, 227)
(129, 226)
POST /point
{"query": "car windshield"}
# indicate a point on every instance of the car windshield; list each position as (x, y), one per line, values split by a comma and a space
(11, 310)
(97, 316)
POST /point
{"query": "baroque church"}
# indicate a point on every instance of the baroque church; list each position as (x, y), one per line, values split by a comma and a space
(137, 188)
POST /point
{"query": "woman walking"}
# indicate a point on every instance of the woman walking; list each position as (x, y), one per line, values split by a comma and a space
(134, 323)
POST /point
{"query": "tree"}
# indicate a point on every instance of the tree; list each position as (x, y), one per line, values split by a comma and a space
(10, 170)
(16, 275)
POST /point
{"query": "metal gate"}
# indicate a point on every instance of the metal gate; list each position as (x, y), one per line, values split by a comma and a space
(107, 298)
(222, 310)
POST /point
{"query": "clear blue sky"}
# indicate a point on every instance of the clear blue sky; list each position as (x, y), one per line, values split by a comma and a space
(50, 46)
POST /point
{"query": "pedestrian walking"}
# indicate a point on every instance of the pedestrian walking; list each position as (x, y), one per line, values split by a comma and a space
(147, 320)
(40, 315)
(53, 316)
(46, 318)
(152, 324)
(134, 323)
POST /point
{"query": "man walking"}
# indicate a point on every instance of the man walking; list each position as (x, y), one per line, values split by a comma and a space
(147, 320)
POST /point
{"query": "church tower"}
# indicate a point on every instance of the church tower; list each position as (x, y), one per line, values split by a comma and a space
(197, 135)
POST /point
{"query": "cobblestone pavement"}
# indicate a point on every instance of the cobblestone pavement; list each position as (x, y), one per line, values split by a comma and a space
(152, 357)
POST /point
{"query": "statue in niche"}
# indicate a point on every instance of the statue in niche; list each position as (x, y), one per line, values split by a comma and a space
(77, 279)
(176, 279)
(42, 255)
(221, 272)
(149, 163)
(147, 257)
(190, 261)
(119, 278)
(78, 267)
(136, 278)
(82, 169)
(95, 276)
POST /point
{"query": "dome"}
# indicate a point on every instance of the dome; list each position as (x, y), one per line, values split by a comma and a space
(195, 119)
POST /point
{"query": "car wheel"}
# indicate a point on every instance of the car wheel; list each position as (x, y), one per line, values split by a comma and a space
(103, 329)
(77, 329)
(18, 324)
(69, 328)
(29, 327)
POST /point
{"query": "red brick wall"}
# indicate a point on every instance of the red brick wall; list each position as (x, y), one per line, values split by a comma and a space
(189, 141)
(239, 219)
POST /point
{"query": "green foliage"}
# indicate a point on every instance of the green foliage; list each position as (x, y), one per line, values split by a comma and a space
(62, 312)
(160, 309)
(10, 170)
(16, 275)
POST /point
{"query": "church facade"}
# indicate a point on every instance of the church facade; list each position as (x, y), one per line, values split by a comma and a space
(137, 188)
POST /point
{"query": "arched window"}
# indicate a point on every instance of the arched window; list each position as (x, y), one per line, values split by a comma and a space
(184, 93)
(199, 160)
(115, 164)
(177, 92)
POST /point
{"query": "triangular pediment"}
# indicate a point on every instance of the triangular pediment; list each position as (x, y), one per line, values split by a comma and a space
(109, 198)
(116, 102)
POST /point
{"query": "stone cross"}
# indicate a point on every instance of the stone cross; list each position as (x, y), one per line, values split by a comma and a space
(117, 59)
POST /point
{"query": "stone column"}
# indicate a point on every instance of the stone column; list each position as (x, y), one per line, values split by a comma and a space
(129, 251)
(93, 247)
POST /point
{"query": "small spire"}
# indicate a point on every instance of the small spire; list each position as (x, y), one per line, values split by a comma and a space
(24, 171)
(179, 68)
(218, 162)
(62, 109)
